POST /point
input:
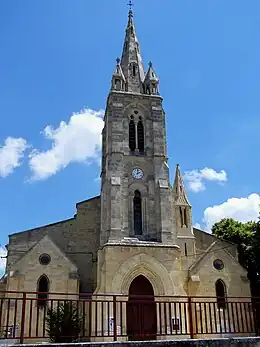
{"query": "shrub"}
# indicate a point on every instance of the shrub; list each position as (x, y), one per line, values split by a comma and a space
(64, 323)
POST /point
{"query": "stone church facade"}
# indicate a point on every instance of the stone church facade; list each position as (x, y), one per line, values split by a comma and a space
(140, 224)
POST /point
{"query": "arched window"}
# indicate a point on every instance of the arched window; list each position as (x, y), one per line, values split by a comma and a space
(132, 140)
(134, 70)
(138, 228)
(140, 134)
(185, 217)
(185, 249)
(221, 294)
(181, 216)
(83, 294)
(42, 289)
(117, 84)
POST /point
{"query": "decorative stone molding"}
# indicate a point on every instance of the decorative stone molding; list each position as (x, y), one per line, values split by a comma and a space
(14, 273)
(156, 108)
(142, 264)
(115, 181)
(117, 104)
(163, 183)
(195, 278)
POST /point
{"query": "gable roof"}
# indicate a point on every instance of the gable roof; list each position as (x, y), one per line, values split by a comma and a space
(55, 223)
(214, 238)
(53, 244)
(210, 249)
(179, 192)
(42, 226)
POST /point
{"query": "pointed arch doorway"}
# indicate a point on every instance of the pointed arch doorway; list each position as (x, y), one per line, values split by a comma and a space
(141, 311)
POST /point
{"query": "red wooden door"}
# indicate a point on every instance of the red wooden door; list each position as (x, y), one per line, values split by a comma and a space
(141, 310)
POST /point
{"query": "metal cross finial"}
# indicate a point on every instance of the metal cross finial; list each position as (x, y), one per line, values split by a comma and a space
(130, 4)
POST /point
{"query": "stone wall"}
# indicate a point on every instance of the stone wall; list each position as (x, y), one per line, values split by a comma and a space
(83, 246)
(232, 275)
(78, 240)
(121, 263)
(20, 243)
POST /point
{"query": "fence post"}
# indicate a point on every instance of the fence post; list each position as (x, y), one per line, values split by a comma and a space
(115, 317)
(23, 319)
(256, 314)
(190, 317)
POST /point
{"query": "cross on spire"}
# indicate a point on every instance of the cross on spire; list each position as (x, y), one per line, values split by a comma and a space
(130, 4)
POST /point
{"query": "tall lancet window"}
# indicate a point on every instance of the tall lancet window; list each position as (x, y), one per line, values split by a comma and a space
(138, 227)
(42, 289)
(132, 138)
(134, 70)
(221, 294)
(181, 216)
(140, 134)
(185, 217)
(117, 84)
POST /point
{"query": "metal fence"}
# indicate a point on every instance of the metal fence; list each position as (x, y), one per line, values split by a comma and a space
(23, 316)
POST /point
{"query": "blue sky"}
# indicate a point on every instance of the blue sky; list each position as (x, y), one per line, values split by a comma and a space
(57, 58)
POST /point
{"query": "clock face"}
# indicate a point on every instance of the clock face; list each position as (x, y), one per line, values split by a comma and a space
(137, 174)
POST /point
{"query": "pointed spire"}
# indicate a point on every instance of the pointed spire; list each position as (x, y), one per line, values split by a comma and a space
(179, 192)
(118, 78)
(151, 81)
(130, 18)
(131, 61)
(118, 72)
(151, 75)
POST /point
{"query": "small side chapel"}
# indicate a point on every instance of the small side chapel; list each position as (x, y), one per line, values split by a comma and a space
(137, 235)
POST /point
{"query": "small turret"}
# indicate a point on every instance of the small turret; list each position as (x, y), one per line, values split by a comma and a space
(151, 81)
(182, 207)
(179, 192)
(118, 78)
(183, 219)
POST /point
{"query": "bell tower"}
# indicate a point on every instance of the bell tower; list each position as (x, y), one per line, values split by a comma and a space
(135, 190)
(138, 225)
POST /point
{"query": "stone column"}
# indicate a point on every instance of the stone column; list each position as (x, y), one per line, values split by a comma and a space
(116, 222)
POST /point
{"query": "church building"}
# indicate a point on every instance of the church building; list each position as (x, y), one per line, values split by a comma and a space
(137, 236)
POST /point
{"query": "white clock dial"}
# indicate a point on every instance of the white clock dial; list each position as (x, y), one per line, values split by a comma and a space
(137, 174)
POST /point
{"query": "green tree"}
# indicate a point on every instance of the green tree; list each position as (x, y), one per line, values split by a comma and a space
(64, 323)
(231, 230)
(252, 255)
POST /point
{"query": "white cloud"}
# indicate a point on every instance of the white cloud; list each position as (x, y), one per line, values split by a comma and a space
(196, 178)
(241, 209)
(11, 154)
(3, 254)
(79, 140)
